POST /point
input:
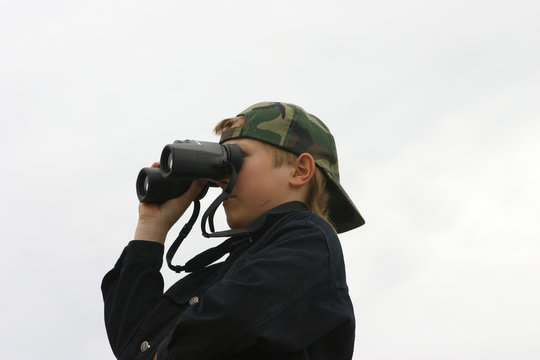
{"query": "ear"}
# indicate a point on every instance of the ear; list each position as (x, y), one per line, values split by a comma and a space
(304, 168)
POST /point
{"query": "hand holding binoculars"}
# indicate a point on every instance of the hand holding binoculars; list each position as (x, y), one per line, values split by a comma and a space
(182, 162)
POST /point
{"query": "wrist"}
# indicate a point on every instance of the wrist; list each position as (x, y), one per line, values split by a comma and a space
(149, 231)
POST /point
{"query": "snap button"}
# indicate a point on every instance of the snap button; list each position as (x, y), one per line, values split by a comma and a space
(193, 300)
(145, 346)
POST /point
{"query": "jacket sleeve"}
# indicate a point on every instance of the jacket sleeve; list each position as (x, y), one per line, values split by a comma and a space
(282, 296)
(131, 290)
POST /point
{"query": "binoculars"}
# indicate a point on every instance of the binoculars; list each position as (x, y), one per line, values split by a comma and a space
(182, 162)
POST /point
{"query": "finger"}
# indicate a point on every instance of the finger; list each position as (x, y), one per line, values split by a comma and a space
(156, 165)
(181, 203)
(196, 188)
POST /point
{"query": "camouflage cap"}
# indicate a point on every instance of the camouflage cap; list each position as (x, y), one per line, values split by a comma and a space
(291, 128)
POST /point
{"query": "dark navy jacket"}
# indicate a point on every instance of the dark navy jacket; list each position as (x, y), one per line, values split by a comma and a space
(281, 295)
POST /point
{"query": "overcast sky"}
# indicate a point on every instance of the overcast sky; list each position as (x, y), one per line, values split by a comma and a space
(434, 106)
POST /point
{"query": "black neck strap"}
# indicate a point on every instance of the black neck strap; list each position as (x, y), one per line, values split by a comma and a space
(183, 234)
(208, 216)
(238, 236)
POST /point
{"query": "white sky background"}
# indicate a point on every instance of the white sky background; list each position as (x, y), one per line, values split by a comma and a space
(435, 109)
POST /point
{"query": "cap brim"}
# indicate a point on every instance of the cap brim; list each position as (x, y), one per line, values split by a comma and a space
(341, 210)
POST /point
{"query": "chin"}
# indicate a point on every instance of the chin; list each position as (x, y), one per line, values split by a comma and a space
(234, 222)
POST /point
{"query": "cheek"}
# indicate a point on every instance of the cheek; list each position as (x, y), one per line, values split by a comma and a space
(249, 182)
(251, 174)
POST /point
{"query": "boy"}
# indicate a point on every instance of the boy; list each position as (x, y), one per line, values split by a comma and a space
(282, 292)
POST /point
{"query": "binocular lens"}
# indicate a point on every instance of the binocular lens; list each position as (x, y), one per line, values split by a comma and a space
(146, 184)
(170, 160)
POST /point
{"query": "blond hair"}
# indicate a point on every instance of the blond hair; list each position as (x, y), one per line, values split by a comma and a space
(317, 197)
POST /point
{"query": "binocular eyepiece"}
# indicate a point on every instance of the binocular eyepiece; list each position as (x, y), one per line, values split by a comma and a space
(182, 162)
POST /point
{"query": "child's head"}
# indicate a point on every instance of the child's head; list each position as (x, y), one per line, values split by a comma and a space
(289, 155)
(316, 196)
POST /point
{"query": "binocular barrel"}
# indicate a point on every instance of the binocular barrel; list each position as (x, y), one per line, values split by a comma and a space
(153, 188)
(181, 163)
